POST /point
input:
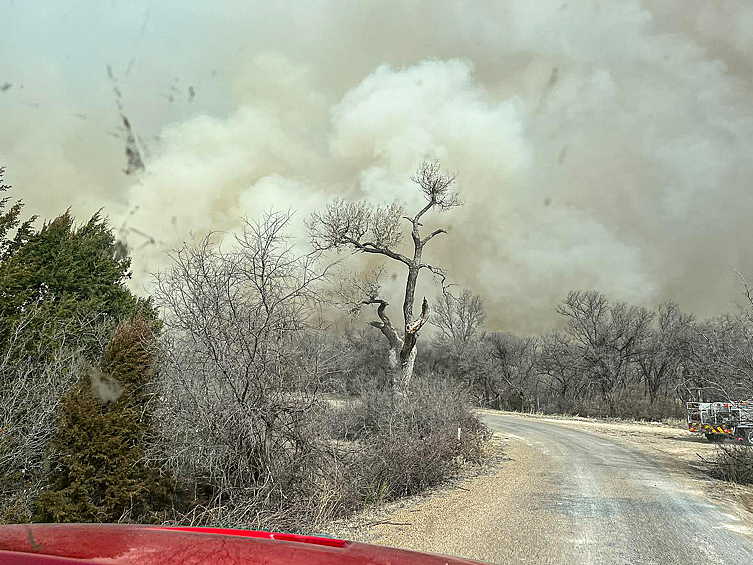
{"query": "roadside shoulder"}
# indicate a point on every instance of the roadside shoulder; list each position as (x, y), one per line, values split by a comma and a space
(361, 526)
(486, 517)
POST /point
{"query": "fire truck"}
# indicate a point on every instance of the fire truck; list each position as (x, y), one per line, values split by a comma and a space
(720, 420)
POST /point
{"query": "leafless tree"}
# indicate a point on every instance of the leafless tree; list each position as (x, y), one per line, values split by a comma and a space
(238, 377)
(514, 367)
(608, 337)
(458, 319)
(458, 344)
(562, 365)
(720, 365)
(34, 377)
(720, 362)
(661, 357)
(364, 228)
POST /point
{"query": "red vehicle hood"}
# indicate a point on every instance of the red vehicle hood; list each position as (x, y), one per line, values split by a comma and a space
(116, 544)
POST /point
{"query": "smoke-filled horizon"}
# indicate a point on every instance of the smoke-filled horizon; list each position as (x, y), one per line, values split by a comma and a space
(598, 145)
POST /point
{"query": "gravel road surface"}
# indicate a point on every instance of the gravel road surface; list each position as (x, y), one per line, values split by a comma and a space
(571, 496)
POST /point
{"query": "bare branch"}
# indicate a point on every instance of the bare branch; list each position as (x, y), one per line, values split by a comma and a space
(436, 187)
(747, 291)
(418, 324)
(432, 234)
(385, 326)
(354, 290)
(438, 272)
(347, 224)
(373, 248)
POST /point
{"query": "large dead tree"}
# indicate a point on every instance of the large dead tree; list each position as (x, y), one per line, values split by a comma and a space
(365, 228)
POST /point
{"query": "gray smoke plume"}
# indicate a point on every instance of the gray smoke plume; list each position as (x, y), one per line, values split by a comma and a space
(598, 144)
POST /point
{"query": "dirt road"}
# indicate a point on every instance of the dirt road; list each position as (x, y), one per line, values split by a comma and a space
(569, 495)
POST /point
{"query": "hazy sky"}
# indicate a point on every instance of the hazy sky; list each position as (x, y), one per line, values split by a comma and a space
(598, 144)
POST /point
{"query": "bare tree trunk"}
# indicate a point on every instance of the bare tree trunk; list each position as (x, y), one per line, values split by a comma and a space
(410, 291)
(401, 372)
(393, 359)
(401, 355)
(404, 375)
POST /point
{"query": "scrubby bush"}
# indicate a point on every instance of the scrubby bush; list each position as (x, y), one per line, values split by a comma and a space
(358, 362)
(407, 447)
(628, 404)
(733, 463)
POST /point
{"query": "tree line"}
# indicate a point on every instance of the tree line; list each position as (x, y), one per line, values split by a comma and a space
(610, 358)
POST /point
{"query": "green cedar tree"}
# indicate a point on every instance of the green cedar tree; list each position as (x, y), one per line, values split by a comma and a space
(99, 474)
(74, 274)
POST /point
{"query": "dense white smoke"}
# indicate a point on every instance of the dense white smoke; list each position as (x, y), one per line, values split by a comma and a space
(597, 144)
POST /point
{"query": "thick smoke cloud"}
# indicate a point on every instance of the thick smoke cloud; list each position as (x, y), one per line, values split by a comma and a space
(598, 144)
